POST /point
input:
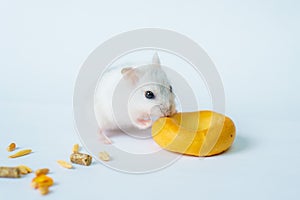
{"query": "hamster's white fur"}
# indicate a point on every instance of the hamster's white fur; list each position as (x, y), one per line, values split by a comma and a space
(120, 98)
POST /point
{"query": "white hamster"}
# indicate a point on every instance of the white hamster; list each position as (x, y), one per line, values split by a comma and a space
(131, 96)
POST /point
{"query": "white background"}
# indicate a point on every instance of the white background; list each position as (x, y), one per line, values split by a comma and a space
(254, 44)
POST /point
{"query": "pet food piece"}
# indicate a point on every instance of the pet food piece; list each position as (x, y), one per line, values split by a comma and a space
(11, 147)
(81, 158)
(21, 153)
(24, 169)
(202, 133)
(10, 172)
(104, 156)
(43, 171)
(76, 148)
(65, 164)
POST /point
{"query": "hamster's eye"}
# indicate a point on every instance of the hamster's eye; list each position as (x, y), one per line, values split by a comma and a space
(149, 95)
(171, 89)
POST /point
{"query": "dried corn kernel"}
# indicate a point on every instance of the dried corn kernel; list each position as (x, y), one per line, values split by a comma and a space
(24, 169)
(41, 181)
(11, 147)
(42, 171)
(64, 164)
(76, 148)
(104, 156)
(20, 153)
(81, 159)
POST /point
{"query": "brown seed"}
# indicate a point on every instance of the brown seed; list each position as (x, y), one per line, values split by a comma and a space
(81, 158)
(76, 148)
(10, 172)
(11, 147)
(20, 153)
(42, 171)
(64, 164)
(24, 169)
(104, 156)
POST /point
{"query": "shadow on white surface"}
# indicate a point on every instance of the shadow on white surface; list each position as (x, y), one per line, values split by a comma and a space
(241, 143)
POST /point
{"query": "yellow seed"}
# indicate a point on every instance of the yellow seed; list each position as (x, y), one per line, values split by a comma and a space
(104, 156)
(75, 148)
(34, 185)
(24, 169)
(20, 153)
(42, 171)
(42, 181)
(64, 164)
(27, 168)
(44, 190)
(11, 147)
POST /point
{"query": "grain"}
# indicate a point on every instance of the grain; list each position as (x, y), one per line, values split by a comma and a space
(64, 164)
(21, 153)
(104, 156)
(24, 169)
(11, 147)
(42, 181)
(42, 171)
(76, 148)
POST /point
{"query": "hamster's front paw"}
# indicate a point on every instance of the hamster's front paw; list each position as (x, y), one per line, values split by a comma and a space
(103, 138)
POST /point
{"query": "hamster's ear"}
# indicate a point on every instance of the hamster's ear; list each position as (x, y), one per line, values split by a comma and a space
(155, 59)
(130, 74)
